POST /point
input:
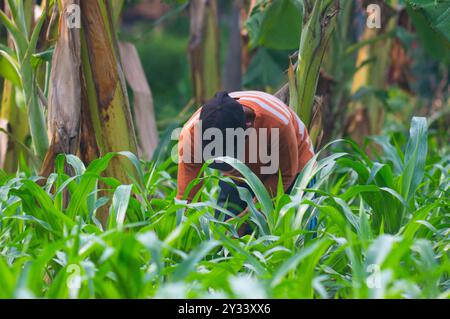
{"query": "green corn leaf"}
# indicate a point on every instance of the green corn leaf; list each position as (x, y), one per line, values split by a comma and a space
(87, 184)
(120, 202)
(415, 157)
(255, 184)
(18, 38)
(292, 263)
(189, 264)
(35, 36)
(9, 68)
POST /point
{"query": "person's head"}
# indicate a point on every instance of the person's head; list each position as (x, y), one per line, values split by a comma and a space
(222, 112)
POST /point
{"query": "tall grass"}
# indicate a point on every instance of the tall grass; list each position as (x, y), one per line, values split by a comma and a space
(383, 230)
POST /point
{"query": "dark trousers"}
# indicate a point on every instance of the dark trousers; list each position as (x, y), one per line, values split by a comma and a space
(229, 198)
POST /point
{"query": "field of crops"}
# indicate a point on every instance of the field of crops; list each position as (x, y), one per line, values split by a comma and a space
(98, 100)
(383, 229)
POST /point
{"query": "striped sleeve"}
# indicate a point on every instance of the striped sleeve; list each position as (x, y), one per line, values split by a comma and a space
(189, 166)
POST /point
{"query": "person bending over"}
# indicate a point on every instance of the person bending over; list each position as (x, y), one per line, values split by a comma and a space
(256, 128)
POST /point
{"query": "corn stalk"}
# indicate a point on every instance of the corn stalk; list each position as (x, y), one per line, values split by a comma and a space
(318, 24)
(204, 49)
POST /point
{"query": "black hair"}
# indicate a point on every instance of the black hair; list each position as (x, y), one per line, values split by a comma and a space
(222, 112)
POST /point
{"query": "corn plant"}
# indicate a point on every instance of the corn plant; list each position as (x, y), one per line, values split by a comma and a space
(155, 246)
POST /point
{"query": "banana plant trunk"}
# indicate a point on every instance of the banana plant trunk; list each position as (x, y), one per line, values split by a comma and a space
(106, 94)
(366, 116)
(232, 77)
(338, 65)
(89, 112)
(64, 108)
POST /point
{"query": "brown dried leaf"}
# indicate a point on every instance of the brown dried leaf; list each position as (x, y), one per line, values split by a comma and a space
(143, 100)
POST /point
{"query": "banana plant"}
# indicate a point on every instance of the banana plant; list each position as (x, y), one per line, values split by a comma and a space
(64, 106)
(366, 116)
(21, 62)
(318, 24)
(204, 49)
(106, 93)
(13, 133)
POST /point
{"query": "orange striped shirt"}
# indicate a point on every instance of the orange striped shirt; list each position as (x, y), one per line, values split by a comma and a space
(295, 147)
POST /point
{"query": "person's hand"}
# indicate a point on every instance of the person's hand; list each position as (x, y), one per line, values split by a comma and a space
(240, 215)
(244, 212)
(241, 230)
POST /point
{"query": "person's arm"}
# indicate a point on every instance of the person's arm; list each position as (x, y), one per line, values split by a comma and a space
(188, 170)
(306, 150)
(288, 161)
(186, 174)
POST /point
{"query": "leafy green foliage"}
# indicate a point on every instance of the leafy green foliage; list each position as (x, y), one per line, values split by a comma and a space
(276, 24)
(383, 230)
(432, 22)
(20, 69)
(437, 13)
(266, 69)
